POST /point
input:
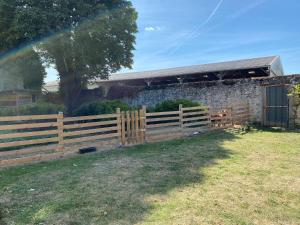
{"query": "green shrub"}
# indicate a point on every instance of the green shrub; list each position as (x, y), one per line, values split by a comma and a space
(100, 107)
(7, 112)
(295, 90)
(39, 108)
(173, 105)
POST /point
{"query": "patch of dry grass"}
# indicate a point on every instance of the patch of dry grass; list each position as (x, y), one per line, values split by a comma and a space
(220, 178)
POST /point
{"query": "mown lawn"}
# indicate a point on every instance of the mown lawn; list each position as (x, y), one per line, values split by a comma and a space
(219, 178)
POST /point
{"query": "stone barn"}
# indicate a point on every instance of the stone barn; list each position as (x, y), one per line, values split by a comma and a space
(259, 82)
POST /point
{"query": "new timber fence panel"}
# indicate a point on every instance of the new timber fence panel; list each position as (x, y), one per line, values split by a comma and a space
(240, 114)
(132, 127)
(26, 139)
(95, 129)
(35, 138)
(162, 126)
(221, 117)
(195, 119)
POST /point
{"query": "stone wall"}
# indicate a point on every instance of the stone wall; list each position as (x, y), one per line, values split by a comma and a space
(217, 94)
(214, 94)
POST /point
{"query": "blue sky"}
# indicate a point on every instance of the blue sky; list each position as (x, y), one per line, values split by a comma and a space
(176, 33)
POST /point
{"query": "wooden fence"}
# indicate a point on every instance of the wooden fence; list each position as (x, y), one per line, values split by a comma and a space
(36, 138)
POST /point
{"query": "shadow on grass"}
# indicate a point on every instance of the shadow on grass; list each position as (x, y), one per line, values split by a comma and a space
(108, 187)
(276, 129)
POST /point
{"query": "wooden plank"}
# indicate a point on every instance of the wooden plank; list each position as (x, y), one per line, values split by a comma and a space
(38, 149)
(25, 160)
(143, 119)
(195, 118)
(20, 118)
(137, 127)
(91, 131)
(133, 127)
(19, 161)
(28, 126)
(181, 116)
(167, 131)
(96, 117)
(92, 138)
(95, 124)
(195, 108)
(141, 130)
(196, 124)
(128, 127)
(28, 134)
(123, 127)
(60, 129)
(162, 119)
(151, 126)
(119, 125)
(195, 113)
(162, 113)
(241, 115)
(28, 142)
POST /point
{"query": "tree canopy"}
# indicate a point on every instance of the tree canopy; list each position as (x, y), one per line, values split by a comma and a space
(28, 67)
(84, 39)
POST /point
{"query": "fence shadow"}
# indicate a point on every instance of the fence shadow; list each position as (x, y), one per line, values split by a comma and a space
(113, 187)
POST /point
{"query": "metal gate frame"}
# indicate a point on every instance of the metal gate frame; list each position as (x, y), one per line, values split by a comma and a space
(266, 107)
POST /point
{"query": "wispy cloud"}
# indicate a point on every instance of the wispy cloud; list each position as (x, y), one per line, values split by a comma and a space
(248, 8)
(150, 29)
(194, 32)
(213, 13)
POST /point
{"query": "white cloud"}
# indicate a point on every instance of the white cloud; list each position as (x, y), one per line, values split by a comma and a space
(157, 28)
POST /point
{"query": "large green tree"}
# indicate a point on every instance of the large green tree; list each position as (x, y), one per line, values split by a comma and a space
(84, 39)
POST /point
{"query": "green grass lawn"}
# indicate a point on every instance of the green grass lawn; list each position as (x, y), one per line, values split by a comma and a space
(218, 178)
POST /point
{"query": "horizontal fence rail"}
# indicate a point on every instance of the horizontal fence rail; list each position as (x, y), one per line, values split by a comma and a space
(26, 139)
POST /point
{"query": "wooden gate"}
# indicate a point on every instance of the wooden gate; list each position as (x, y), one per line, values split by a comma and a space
(133, 127)
(276, 106)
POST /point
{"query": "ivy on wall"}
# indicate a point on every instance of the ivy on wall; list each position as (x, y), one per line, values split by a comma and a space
(295, 94)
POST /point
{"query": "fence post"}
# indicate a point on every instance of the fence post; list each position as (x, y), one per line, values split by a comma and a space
(119, 126)
(60, 127)
(144, 123)
(133, 133)
(231, 121)
(209, 117)
(123, 129)
(137, 127)
(181, 117)
(128, 127)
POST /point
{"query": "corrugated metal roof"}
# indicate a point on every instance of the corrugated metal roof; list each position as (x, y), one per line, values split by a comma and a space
(188, 70)
(204, 68)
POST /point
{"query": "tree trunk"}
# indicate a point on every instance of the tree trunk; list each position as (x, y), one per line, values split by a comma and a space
(70, 88)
